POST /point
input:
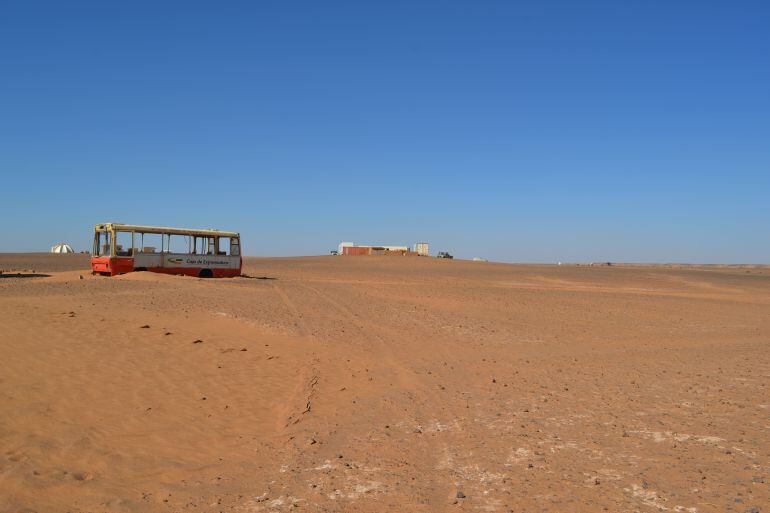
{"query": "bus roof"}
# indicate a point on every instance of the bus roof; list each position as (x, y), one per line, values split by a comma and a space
(118, 227)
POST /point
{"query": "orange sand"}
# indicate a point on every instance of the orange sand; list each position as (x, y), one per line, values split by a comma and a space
(385, 384)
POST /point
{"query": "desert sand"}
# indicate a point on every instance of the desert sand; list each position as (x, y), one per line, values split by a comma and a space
(362, 384)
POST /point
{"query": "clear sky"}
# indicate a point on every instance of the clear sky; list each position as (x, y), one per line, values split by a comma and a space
(517, 131)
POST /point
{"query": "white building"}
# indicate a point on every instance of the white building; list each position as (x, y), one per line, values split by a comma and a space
(340, 251)
(421, 248)
(62, 247)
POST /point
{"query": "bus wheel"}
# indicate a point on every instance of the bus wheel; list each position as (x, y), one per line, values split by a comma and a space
(205, 273)
(140, 269)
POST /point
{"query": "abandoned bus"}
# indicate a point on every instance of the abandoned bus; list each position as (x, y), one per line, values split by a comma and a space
(123, 248)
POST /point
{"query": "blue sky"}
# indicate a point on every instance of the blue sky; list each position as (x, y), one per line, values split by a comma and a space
(517, 131)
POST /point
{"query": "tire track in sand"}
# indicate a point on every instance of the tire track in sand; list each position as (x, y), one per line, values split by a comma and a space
(300, 402)
(443, 486)
(299, 322)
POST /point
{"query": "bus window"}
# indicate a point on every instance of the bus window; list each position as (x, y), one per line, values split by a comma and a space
(179, 244)
(203, 245)
(103, 244)
(198, 245)
(224, 245)
(235, 247)
(123, 244)
(147, 242)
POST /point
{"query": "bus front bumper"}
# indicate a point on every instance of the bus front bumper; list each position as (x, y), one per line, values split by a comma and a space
(111, 266)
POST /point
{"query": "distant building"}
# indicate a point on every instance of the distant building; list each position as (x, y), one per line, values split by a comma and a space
(348, 248)
(62, 248)
(421, 248)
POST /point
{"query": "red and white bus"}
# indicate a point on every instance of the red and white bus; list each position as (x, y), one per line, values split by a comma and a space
(123, 248)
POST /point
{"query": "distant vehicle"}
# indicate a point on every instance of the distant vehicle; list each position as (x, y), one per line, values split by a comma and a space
(334, 252)
(120, 248)
(444, 254)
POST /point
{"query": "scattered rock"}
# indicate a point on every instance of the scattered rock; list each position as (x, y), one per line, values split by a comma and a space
(199, 341)
(460, 495)
(141, 327)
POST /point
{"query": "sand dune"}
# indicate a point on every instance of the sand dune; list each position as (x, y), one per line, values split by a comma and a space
(385, 384)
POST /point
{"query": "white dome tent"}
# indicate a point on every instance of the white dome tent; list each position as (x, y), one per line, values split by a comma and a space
(62, 247)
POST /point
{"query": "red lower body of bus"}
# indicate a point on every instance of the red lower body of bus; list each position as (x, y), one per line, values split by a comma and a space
(112, 266)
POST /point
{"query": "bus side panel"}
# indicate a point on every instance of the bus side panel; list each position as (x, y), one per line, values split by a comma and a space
(154, 263)
(148, 260)
(122, 265)
(226, 273)
(195, 272)
(180, 271)
(219, 265)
